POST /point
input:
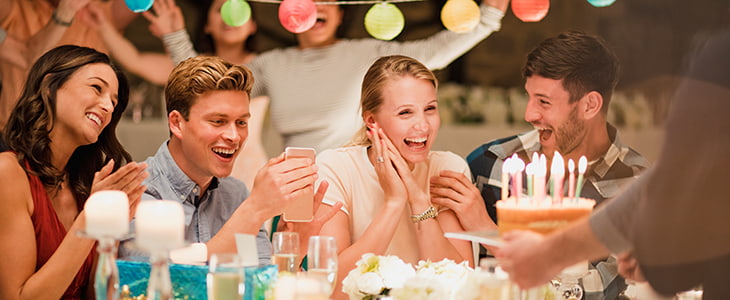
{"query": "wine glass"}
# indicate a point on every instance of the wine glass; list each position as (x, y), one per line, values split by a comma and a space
(285, 247)
(225, 277)
(322, 259)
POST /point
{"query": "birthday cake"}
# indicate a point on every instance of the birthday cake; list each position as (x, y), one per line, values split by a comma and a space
(542, 216)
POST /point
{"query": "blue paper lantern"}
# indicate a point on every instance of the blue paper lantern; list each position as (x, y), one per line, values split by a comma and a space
(601, 3)
(139, 6)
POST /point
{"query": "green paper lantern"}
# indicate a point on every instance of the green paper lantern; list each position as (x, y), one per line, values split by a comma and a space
(235, 12)
(384, 21)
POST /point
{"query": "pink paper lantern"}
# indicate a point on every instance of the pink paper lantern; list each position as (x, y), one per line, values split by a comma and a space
(530, 10)
(297, 15)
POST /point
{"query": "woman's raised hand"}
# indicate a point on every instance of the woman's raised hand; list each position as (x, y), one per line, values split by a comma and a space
(385, 161)
(127, 178)
(167, 18)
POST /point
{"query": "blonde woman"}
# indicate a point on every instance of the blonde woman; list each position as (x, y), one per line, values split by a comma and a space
(383, 177)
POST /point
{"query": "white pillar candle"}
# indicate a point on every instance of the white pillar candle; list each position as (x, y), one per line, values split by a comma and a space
(107, 214)
(159, 224)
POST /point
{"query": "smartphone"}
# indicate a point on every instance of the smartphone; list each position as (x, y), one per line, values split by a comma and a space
(300, 210)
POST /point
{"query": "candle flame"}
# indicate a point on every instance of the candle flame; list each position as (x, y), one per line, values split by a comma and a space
(571, 166)
(582, 164)
(506, 166)
(530, 168)
(535, 157)
(558, 165)
(519, 165)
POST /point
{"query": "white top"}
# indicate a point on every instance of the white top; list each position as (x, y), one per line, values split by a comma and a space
(353, 182)
(315, 92)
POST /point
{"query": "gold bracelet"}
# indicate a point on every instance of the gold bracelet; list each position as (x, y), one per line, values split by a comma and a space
(58, 20)
(431, 212)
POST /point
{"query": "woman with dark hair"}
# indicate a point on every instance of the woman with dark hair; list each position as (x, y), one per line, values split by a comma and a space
(63, 147)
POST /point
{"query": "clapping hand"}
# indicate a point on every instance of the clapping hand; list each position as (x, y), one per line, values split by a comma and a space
(127, 178)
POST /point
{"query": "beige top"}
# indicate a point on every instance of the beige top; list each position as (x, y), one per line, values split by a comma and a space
(353, 182)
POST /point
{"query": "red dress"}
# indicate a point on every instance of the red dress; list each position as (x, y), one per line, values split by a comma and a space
(49, 232)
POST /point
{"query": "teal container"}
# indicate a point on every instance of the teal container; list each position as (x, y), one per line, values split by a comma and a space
(188, 281)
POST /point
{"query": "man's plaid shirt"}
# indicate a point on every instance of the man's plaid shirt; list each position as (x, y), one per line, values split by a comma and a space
(604, 179)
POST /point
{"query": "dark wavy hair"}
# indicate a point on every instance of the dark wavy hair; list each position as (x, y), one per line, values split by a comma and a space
(29, 126)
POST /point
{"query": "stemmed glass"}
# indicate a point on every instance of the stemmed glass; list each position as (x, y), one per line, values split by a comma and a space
(285, 247)
(322, 259)
(567, 285)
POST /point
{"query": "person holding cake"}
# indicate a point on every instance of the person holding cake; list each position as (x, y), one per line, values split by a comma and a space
(673, 220)
(569, 80)
(382, 178)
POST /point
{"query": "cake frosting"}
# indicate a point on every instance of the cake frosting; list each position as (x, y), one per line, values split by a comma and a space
(540, 216)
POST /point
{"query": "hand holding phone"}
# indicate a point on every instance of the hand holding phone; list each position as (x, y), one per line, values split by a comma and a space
(301, 209)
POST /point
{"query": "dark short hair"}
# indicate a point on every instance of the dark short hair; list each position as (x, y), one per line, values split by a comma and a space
(582, 61)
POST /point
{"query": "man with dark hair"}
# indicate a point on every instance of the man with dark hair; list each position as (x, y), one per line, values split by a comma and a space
(569, 80)
(673, 220)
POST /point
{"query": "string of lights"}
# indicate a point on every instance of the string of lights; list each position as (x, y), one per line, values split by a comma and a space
(353, 2)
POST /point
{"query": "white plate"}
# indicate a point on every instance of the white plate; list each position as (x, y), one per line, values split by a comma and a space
(488, 237)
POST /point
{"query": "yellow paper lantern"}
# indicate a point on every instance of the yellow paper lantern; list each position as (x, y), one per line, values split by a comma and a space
(460, 15)
(384, 21)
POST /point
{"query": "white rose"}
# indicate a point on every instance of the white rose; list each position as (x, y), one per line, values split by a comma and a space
(394, 271)
(370, 283)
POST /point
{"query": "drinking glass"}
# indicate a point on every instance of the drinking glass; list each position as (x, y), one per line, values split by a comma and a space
(225, 277)
(322, 259)
(285, 251)
(495, 283)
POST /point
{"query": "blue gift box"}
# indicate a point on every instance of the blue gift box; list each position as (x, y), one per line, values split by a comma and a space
(188, 281)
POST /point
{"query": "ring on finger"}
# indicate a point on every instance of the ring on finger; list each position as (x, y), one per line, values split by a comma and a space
(379, 159)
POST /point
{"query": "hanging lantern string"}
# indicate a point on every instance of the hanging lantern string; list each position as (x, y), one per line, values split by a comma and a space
(354, 2)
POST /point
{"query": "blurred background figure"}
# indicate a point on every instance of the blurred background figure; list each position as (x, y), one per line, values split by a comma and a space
(36, 26)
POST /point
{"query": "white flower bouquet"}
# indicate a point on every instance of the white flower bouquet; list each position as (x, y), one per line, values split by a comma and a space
(376, 275)
(389, 275)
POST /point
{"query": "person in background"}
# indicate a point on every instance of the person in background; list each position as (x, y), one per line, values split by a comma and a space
(37, 26)
(382, 179)
(233, 44)
(63, 147)
(314, 86)
(207, 102)
(569, 80)
(673, 220)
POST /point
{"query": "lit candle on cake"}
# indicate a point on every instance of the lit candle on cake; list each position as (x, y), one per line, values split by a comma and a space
(582, 166)
(519, 166)
(505, 178)
(540, 172)
(107, 214)
(530, 172)
(571, 179)
(159, 224)
(557, 173)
